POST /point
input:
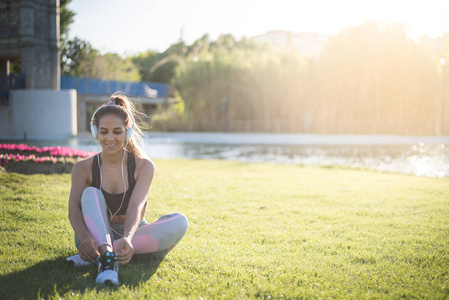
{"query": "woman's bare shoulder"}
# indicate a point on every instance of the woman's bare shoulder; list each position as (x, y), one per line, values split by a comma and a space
(85, 163)
(83, 168)
(145, 165)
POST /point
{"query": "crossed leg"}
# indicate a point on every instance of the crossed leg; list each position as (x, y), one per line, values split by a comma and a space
(163, 234)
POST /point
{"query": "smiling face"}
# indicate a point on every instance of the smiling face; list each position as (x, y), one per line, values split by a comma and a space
(111, 133)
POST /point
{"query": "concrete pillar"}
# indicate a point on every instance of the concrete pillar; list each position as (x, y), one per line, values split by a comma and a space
(4, 66)
(42, 110)
(39, 44)
(55, 52)
(26, 34)
(26, 29)
(27, 59)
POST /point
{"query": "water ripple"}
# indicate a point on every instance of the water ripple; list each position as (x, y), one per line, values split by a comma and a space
(421, 156)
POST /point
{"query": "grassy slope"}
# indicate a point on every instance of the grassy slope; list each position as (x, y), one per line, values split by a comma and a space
(256, 230)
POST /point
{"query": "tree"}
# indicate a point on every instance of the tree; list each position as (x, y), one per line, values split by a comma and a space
(144, 62)
(160, 67)
(69, 56)
(79, 58)
(219, 82)
(376, 80)
(73, 53)
(368, 79)
(108, 67)
(66, 17)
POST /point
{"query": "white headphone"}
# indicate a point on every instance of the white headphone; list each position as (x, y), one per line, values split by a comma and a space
(128, 135)
(129, 131)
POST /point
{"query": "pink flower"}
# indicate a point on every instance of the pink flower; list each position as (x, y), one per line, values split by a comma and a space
(55, 154)
(53, 151)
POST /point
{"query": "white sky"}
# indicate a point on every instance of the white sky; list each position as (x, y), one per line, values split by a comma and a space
(128, 27)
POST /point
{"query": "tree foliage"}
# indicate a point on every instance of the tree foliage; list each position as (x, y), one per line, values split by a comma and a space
(66, 17)
(79, 58)
(74, 53)
(368, 79)
(109, 67)
(160, 67)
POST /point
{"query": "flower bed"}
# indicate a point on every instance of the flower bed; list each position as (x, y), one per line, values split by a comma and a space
(21, 158)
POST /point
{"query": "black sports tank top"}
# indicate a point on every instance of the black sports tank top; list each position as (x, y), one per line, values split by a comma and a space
(113, 201)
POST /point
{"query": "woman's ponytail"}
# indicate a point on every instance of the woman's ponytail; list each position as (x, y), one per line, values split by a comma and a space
(136, 144)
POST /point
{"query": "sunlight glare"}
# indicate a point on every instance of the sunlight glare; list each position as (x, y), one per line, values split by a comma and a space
(420, 18)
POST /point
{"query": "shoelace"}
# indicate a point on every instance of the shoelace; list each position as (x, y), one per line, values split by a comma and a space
(108, 261)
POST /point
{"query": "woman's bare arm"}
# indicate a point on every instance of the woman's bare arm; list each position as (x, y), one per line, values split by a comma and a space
(80, 177)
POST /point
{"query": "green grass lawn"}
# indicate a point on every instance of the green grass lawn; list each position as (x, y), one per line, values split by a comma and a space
(256, 231)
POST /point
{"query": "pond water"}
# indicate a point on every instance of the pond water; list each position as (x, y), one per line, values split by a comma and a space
(417, 155)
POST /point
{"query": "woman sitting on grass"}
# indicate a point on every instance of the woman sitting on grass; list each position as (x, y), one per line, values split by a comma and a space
(109, 193)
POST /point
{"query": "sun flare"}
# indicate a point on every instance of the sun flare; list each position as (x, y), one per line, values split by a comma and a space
(420, 18)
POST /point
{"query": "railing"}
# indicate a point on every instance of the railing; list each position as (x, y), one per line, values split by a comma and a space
(10, 82)
(108, 87)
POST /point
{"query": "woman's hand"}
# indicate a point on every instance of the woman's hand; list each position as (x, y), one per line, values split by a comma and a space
(89, 250)
(125, 250)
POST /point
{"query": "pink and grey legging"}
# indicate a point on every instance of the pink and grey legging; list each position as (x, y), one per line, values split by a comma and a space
(163, 234)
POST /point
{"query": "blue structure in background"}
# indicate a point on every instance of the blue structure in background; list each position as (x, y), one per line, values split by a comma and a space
(91, 92)
(94, 86)
(10, 82)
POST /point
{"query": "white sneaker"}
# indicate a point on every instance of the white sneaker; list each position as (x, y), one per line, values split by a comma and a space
(76, 261)
(108, 269)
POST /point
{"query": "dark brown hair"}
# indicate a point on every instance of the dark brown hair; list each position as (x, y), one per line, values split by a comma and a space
(121, 105)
